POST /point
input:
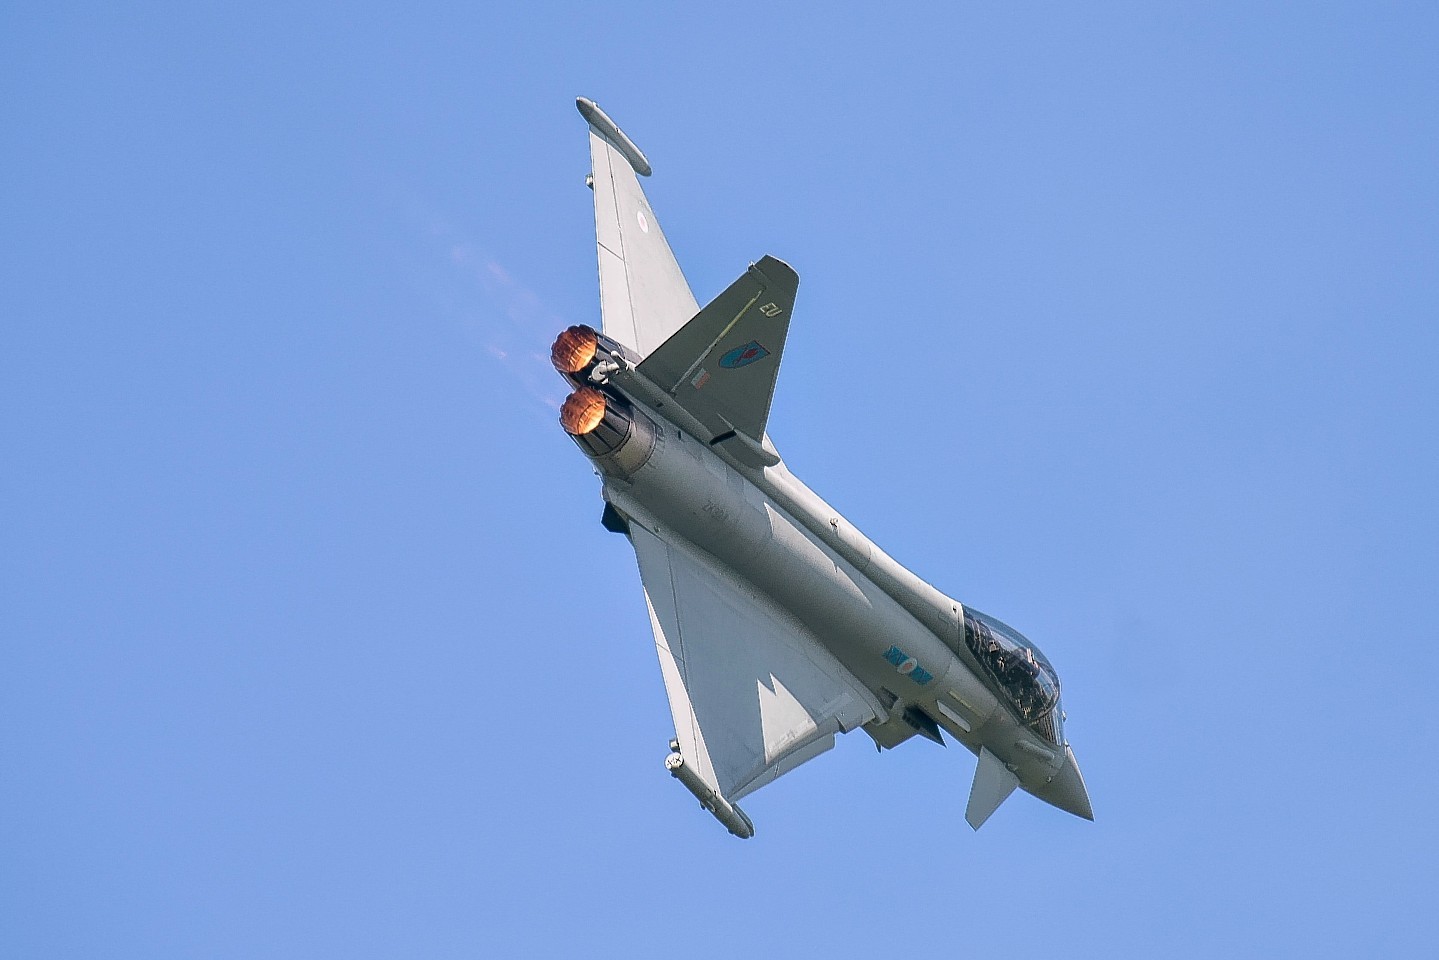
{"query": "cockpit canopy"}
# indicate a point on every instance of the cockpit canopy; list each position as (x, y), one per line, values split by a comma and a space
(1017, 668)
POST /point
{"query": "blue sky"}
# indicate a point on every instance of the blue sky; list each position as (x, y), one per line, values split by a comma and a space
(1116, 321)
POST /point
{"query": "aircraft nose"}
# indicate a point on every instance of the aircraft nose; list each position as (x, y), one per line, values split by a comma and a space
(1067, 791)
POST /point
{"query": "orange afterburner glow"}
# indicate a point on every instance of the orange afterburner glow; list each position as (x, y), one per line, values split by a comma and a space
(582, 410)
(574, 349)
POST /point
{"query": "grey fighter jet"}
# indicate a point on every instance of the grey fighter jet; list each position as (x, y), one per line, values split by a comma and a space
(777, 623)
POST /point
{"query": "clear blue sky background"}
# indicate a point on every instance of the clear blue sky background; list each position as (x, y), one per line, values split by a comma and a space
(1118, 320)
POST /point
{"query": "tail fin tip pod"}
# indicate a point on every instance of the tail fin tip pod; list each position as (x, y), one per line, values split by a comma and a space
(610, 130)
(644, 296)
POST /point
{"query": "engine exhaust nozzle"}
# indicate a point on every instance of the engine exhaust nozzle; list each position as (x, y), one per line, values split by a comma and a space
(575, 349)
(582, 411)
(610, 431)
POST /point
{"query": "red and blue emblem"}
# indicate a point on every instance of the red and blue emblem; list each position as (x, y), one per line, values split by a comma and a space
(744, 356)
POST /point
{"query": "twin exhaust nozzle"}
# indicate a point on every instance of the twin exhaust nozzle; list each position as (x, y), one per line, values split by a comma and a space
(574, 354)
(605, 426)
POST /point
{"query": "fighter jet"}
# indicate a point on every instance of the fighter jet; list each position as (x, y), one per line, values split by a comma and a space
(778, 624)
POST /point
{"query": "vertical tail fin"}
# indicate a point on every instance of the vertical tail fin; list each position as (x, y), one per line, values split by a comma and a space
(643, 294)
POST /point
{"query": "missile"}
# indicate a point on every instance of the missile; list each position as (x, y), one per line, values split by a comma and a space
(606, 128)
(725, 812)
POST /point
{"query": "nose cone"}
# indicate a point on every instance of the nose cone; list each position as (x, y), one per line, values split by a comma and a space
(1066, 791)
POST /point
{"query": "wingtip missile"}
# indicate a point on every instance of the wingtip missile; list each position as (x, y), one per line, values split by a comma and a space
(607, 128)
(725, 812)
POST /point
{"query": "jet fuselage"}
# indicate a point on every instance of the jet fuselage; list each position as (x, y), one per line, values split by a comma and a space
(901, 638)
(777, 624)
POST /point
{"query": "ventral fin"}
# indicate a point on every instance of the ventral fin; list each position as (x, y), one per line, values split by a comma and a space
(993, 783)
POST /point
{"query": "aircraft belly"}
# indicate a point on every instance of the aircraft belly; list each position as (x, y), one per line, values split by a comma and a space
(691, 492)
